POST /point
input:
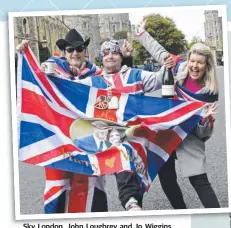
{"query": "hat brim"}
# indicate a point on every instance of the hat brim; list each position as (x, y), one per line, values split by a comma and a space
(62, 43)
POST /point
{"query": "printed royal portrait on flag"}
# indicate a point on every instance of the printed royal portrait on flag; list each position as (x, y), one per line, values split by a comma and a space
(74, 134)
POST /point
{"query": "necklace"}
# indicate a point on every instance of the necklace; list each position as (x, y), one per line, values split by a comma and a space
(113, 102)
(109, 101)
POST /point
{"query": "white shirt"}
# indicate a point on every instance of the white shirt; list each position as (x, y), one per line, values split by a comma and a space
(97, 141)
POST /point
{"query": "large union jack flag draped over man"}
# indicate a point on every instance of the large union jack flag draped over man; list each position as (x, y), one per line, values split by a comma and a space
(48, 108)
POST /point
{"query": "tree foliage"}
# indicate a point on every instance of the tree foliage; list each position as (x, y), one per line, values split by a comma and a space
(164, 30)
(120, 35)
(195, 40)
(140, 53)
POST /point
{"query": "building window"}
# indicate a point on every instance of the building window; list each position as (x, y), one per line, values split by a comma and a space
(100, 29)
(113, 28)
(84, 25)
(25, 27)
(112, 18)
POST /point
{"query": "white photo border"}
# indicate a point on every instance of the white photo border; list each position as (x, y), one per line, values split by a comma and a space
(18, 216)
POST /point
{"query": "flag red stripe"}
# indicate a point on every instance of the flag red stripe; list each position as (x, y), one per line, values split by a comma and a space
(52, 192)
(168, 117)
(37, 105)
(184, 95)
(42, 77)
(99, 72)
(140, 150)
(60, 70)
(78, 195)
(129, 89)
(56, 174)
(119, 87)
(61, 150)
(168, 140)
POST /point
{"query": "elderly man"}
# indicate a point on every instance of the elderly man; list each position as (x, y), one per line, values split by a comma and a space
(127, 80)
(73, 64)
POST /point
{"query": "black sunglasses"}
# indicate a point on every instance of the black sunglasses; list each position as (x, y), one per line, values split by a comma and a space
(71, 49)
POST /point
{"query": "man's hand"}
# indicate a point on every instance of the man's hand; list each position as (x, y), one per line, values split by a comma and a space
(169, 62)
(21, 47)
(127, 48)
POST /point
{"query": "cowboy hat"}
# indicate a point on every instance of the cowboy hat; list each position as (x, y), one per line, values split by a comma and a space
(73, 38)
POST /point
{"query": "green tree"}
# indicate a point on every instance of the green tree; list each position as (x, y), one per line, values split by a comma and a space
(195, 40)
(140, 53)
(164, 30)
(120, 35)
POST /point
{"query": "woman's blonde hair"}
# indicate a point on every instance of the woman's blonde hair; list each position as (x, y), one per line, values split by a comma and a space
(209, 77)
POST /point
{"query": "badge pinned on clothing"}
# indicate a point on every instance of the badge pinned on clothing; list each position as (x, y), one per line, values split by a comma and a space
(103, 102)
(113, 103)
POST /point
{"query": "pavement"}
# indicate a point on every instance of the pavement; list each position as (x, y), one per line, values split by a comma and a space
(31, 178)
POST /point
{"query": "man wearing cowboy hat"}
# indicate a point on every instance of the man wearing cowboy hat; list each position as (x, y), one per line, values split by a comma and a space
(73, 63)
(74, 49)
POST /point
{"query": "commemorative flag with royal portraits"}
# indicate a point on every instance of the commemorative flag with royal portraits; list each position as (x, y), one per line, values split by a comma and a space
(54, 114)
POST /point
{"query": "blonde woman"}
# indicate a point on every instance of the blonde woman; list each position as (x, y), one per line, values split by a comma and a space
(197, 78)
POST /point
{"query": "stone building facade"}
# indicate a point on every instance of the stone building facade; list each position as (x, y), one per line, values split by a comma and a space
(109, 24)
(98, 27)
(51, 28)
(38, 29)
(213, 29)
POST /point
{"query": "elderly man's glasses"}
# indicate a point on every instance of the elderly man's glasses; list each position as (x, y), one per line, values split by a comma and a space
(72, 49)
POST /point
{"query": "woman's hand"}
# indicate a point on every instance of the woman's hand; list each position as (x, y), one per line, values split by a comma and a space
(169, 62)
(21, 47)
(211, 109)
(142, 27)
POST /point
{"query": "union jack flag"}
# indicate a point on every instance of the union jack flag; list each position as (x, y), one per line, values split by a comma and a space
(184, 94)
(48, 106)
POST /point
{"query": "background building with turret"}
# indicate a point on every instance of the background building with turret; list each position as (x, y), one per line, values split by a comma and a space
(109, 24)
(213, 32)
(48, 29)
(41, 32)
